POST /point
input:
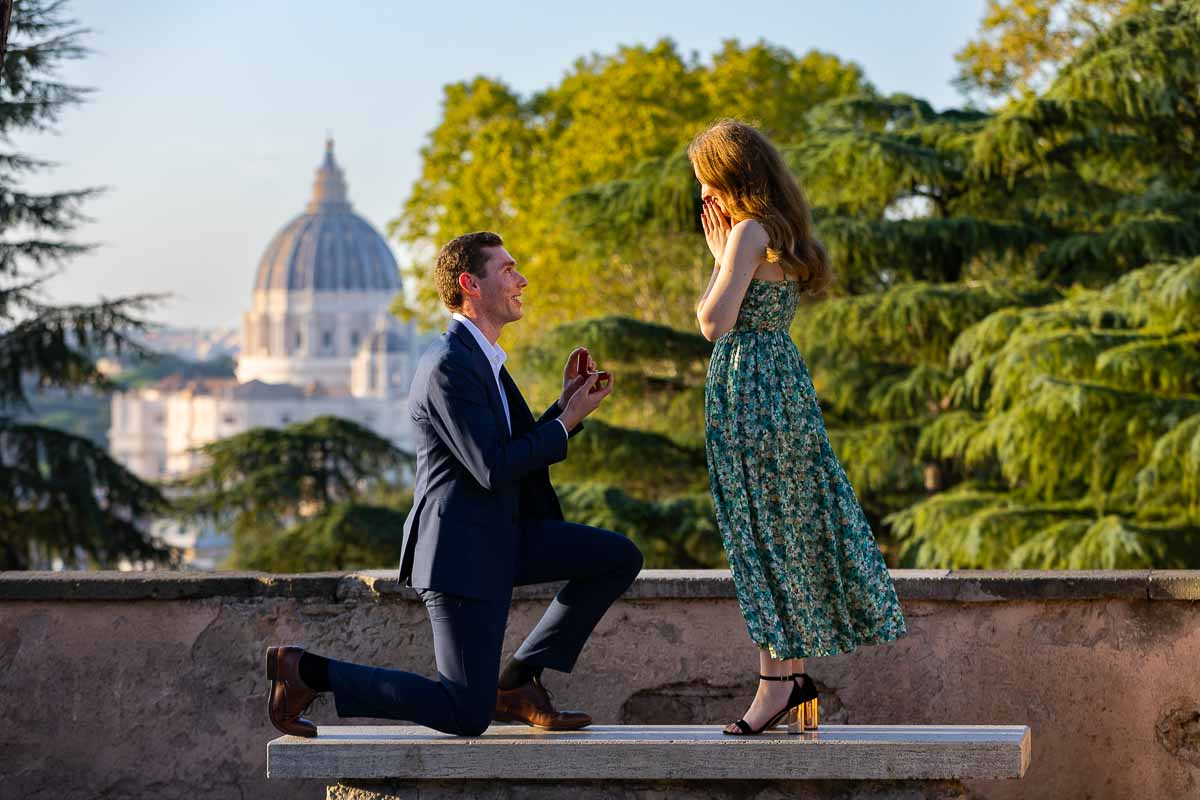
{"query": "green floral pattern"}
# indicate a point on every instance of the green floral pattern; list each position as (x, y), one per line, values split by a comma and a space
(810, 580)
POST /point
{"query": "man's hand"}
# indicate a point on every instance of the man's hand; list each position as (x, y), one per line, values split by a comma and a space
(579, 366)
(585, 400)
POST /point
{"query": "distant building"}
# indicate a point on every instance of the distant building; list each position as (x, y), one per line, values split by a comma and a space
(317, 340)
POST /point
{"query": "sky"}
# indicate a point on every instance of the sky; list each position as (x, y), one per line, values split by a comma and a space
(208, 120)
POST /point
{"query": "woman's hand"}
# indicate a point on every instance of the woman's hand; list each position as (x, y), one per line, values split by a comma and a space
(716, 228)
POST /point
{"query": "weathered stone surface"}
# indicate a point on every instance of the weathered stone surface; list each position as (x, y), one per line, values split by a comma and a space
(166, 699)
(676, 584)
(647, 790)
(911, 584)
(1179, 733)
(164, 585)
(655, 752)
(973, 586)
(1175, 584)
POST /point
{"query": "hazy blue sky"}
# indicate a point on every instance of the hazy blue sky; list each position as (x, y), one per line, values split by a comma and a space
(209, 118)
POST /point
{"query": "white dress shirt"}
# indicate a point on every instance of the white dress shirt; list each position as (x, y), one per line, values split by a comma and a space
(496, 357)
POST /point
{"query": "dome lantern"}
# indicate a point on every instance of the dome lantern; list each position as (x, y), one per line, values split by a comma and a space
(329, 187)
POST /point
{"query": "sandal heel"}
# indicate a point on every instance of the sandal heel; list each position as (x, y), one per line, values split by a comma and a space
(795, 719)
(808, 713)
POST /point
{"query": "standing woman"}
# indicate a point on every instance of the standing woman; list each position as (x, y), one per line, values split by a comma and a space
(810, 580)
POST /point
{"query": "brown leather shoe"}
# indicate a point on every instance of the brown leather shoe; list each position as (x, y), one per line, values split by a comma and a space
(530, 703)
(289, 695)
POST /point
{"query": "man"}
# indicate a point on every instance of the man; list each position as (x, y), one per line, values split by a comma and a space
(485, 519)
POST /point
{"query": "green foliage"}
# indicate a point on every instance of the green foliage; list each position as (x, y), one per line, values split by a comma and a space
(658, 377)
(299, 497)
(507, 163)
(676, 533)
(346, 536)
(989, 411)
(1022, 42)
(83, 412)
(1007, 364)
(649, 464)
(61, 495)
(64, 497)
(639, 465)
(1080, 420)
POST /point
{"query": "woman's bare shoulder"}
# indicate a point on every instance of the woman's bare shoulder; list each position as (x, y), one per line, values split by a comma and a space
(751, 232)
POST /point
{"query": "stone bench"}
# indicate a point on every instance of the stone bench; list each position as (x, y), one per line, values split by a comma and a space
(679, 761)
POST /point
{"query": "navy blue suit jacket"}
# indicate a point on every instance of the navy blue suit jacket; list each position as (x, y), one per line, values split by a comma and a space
(475, 482)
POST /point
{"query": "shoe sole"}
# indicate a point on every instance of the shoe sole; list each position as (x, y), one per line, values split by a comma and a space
(506, 718)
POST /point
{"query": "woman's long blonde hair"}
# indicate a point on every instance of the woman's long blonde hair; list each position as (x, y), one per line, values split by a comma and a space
(738, 161)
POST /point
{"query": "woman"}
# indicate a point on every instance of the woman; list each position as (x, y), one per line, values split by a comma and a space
(810, 580)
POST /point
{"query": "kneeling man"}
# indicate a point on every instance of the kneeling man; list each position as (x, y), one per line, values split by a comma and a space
(484, 519)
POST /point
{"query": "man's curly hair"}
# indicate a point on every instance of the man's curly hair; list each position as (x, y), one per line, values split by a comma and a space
(462, 254)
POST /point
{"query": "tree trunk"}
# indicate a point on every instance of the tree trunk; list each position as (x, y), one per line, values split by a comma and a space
(5, 24)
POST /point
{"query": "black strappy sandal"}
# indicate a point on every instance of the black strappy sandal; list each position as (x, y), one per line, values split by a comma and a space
(792, 711)
(808, 701)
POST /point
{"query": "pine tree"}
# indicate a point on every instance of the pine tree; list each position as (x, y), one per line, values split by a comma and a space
(1106, 155)
(61, 496)
(320, 494)
(1079, 423)
(1075, 423)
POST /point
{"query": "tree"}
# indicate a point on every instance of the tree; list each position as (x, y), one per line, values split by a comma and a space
(1079, 423)
(1106, 154)
(1069, 422)
(1021, 43)
(298, 499)
(507, 163)
(61, 496)
(943, 223)
(773, 87)
(905, 220)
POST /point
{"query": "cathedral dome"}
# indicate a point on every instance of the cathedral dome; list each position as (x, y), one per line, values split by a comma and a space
(328, 248)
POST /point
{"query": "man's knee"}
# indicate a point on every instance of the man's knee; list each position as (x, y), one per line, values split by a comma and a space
(475, 719)
(633, 559)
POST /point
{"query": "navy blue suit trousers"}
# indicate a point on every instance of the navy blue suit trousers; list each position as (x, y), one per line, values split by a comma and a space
(468, 633)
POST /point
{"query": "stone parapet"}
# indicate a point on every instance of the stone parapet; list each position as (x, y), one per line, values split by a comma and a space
(958, 586)
(151, 685)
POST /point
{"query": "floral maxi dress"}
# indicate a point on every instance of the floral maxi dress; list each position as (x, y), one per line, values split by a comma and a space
(810, 580)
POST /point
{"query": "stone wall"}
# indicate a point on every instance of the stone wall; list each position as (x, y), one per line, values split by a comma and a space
(150, 685)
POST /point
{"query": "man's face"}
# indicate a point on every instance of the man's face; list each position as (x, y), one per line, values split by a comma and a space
(500, 287)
